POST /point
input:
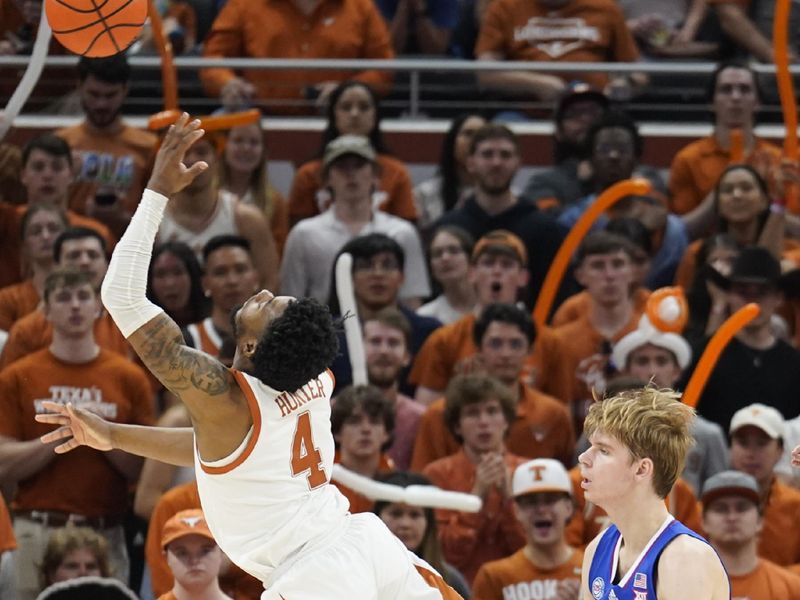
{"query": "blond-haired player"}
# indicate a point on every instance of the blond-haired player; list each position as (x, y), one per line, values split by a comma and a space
(262, 434)
(639, 440)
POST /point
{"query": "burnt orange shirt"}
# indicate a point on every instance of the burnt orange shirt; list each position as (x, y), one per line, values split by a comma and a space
(82, 481)
(119, 161)
(345, 29)
(16, 301)
(577, 351)
(236, 583)
(697, 167)
(542, 429)
(581, 31)
(779, 540)
(589, 519)
(7, 539)
(767, 582)
(395, 182)
(471, 539)
(577, 306)
(517, 577)
(33, 332)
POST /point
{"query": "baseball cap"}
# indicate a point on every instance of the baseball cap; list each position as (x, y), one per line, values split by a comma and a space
(348, 144)
(540, 475)
(766, 418)
(730, 483)
(576, 92)
(501, 240)
(186, 522)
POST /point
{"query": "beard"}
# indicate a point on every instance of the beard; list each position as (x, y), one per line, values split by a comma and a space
(101, 119)
(494, 188)
(383, 377)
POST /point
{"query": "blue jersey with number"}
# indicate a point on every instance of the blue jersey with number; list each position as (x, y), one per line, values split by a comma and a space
(639, 583)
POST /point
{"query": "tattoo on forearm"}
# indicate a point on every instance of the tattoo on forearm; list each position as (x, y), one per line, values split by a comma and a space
(180, 368)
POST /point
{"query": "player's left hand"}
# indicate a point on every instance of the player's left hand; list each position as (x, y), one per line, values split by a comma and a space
(169, 174)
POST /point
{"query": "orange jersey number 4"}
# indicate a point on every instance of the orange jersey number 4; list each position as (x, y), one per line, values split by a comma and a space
(306, 456)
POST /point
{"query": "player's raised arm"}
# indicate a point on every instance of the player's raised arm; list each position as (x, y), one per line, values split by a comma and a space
(193, 376)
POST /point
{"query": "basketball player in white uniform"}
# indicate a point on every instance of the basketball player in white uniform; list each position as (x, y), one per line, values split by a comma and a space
(263, 455)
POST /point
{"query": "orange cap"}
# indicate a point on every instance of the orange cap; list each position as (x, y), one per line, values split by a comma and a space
(186, 522)
(501, 240)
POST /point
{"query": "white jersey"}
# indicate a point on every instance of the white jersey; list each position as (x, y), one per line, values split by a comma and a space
(270, 498)
(221, 222)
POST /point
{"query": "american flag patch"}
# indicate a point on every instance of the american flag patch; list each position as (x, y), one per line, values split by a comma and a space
(640, 580)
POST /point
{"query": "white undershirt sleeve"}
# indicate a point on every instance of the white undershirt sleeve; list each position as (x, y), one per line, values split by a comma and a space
(124, 287)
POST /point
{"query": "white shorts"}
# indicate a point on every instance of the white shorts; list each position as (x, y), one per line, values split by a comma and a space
(366, 562)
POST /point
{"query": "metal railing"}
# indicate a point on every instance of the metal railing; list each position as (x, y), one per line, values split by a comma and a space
(415, 67)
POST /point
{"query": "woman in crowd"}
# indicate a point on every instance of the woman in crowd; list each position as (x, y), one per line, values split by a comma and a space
(173, 283)
(353, 109)
(243, 172)
(449, 254)
(742, 204)
(452, 182)
(74, 552)
(416, 528)
(41, 225)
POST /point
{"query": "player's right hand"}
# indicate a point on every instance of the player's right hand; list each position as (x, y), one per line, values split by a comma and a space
(82, 427)
(169, 174)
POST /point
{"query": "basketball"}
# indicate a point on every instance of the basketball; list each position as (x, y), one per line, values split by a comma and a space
(96, 28)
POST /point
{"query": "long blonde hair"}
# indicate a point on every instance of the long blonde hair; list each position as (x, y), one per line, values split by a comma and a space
(263, 194)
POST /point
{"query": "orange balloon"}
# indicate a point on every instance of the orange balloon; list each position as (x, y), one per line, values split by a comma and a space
(780, 49)
(628, 187)
(169, 76)
(716, 345)
(163, 119)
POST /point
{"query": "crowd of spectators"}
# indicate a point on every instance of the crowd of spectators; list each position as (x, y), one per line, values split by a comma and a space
(466, 390)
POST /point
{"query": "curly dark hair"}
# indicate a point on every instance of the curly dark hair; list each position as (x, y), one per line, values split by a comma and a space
(297, 346)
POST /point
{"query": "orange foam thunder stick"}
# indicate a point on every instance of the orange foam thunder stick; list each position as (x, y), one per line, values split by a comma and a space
(780, 52)
(628, 187)
(714, 349)
(169, 76)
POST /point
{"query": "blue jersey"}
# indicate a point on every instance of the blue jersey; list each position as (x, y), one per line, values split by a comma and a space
(639, 583)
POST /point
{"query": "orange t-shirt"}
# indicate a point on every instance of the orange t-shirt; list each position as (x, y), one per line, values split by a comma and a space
(358, 502)
(779, 540)
(517, 577)
(236, 583)
(16, 301)
(82, 481)
(542, 429)
(577, 306)
(334, 29)
(33, 332)
(7, 539)
(395, 182)
(767, 581)
(471, 539)
(697, 167)
(120, 160)
(581, 31)
(589, 519)
(576, 350)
